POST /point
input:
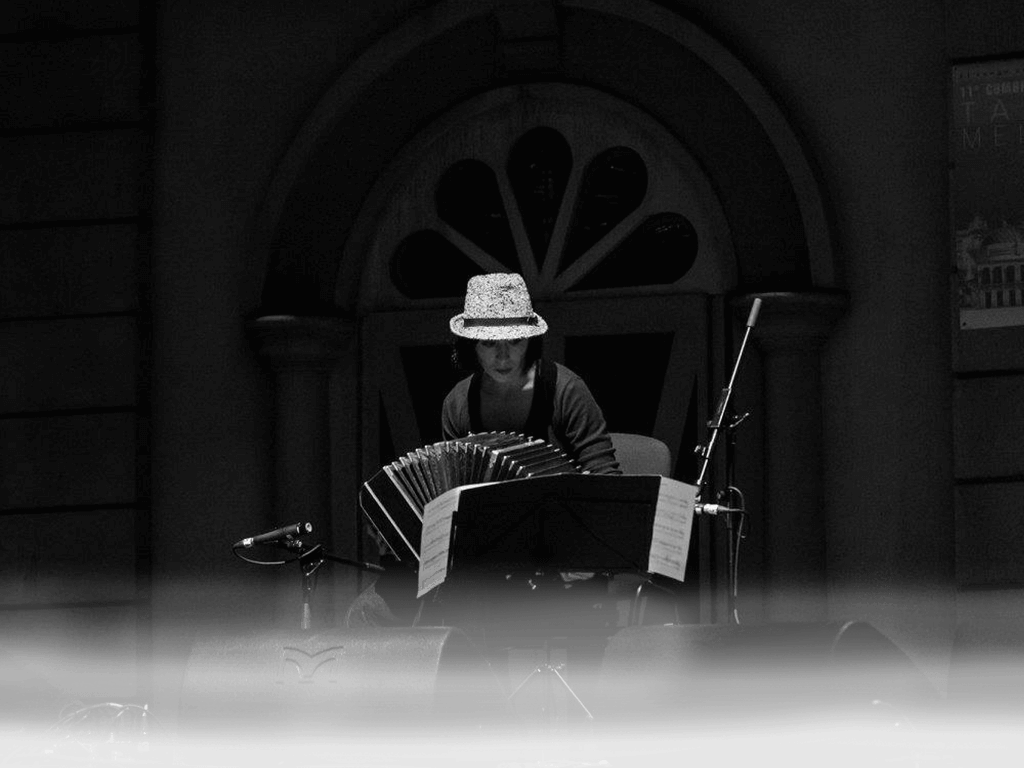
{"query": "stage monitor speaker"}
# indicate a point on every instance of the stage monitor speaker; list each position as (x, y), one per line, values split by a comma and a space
(337, 678)
(986, 670)
(31, 707)
(28, 698)
(985, 693)
(755, 670)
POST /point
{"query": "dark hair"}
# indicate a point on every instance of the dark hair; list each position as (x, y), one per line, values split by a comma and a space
(465, 361)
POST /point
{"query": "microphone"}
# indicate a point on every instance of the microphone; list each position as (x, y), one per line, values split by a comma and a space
(714, 509)
(276, 535)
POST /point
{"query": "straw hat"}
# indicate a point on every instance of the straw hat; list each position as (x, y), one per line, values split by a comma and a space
(497, 307)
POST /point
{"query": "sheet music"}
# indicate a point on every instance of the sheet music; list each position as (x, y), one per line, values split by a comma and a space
(435, 540)
(673, 521)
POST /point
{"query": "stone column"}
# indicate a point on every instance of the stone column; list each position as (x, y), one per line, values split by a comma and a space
(789, 333)
(302, 352)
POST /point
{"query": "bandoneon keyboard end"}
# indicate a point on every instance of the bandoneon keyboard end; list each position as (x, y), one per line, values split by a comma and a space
(393, 499)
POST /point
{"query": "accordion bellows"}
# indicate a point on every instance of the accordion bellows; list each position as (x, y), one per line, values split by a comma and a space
(394, 498)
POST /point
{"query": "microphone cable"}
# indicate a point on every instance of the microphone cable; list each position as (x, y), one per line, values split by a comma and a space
(734, 544)
(236, 551)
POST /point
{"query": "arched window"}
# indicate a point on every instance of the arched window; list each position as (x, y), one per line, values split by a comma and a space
(581, 193)
(657, 248)
(616, 229)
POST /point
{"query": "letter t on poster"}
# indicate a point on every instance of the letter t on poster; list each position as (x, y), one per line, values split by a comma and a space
(673, 521)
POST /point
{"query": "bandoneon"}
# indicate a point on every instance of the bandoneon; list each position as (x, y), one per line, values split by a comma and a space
(393, 499)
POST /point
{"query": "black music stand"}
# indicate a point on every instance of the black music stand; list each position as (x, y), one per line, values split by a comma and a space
(543, 527)
(566, 522)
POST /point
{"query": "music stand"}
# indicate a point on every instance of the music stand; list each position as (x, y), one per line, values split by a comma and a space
(547, 525)
(567, 522)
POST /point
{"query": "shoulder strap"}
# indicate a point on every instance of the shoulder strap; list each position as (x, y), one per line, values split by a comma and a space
(543, 408)
(473, 403)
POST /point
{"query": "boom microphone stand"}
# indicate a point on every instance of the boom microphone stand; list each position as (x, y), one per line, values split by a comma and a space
(716, 425)
(309, 558)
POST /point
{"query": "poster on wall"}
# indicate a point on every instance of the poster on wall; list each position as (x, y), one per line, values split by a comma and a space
(987, 192)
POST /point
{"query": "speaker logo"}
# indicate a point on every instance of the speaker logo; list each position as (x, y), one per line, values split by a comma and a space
(310, 667)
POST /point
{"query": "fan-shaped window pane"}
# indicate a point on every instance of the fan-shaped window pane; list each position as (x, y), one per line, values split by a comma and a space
(614, 184)
(524, 201)
(660, 251)
(538, 170)
(426, 265)
(469, 201)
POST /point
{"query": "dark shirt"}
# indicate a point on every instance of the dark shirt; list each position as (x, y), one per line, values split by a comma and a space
(563, 412)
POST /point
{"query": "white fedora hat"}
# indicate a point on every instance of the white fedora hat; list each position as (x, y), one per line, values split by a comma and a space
(497, 306)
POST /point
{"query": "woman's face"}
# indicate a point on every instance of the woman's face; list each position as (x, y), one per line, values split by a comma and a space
(502, 360)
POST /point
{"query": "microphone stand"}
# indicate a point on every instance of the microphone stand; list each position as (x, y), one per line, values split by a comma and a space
(739, 509)
(309, 559)
(716, 425)
(309, 563)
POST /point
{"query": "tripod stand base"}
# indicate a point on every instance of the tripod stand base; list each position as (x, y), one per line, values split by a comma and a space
(549, 673)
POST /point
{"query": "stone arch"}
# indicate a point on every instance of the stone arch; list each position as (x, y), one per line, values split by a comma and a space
(308, 211)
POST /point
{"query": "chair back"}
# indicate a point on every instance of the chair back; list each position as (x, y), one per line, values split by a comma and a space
(641, 455)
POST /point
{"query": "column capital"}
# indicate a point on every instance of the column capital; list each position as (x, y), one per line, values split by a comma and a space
(301, 343)
(797, 320)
